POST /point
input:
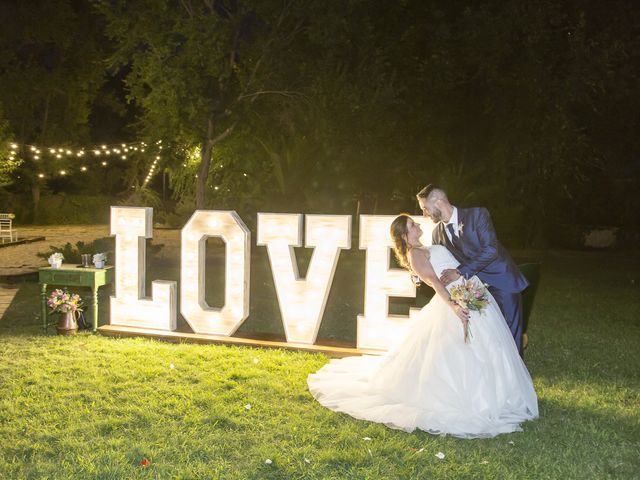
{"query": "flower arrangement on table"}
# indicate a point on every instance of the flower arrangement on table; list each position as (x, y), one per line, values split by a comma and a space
(472, 295)
(99, 259)
(61, 301)
(55, 259)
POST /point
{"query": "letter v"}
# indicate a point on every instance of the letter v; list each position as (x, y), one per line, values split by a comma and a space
(302, 301)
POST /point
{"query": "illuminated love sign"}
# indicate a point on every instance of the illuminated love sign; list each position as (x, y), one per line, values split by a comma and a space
(302, 301)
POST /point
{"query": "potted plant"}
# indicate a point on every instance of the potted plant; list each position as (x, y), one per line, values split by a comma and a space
(99, 259)
(67, 305)
(55, 260)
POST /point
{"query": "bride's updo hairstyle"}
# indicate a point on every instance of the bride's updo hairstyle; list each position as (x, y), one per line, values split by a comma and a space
(399, 232)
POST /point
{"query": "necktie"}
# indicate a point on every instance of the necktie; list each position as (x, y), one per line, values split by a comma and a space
(454, 238)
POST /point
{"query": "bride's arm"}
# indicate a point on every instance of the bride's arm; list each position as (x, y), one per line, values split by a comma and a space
(422, 267)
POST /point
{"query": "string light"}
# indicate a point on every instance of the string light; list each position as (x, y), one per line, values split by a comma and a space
(61, 153)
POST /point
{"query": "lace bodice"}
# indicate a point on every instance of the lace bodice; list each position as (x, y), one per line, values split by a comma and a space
(441, 258)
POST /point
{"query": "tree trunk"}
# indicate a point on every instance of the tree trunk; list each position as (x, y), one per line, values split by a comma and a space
(203, 174)
(205, 161)
(35, 197)
(203, 170)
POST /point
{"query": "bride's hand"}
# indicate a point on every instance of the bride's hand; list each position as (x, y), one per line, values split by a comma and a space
(462, 313)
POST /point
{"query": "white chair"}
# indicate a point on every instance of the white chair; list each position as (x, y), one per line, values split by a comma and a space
(7, 232)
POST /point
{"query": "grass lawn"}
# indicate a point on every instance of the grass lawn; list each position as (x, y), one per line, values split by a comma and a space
(94, 407)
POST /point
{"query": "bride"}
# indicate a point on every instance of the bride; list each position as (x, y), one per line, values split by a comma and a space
(432, 379)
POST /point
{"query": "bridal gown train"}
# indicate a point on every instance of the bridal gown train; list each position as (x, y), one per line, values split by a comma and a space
(434, 381)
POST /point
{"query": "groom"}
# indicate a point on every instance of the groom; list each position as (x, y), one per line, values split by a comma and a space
(469, 235)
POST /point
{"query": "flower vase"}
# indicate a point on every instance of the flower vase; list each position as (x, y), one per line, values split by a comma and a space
(67, 325)
(99, 263)
(56, 264)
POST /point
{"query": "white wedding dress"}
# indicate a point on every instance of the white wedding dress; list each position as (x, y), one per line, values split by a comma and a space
(432, 379)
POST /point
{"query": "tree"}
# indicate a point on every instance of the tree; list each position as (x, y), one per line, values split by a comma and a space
(8, 162)
(198, 67)
(50, 54)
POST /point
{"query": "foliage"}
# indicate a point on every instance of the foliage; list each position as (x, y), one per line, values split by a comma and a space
(142, 197)
(182, 406)
(195, 68)
(106, 245)
(50, 54)
(64, 209)
(74, 254)
(341, 106)
(7, 164)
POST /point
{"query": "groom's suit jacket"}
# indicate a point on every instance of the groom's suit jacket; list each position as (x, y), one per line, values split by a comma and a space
(481, 254)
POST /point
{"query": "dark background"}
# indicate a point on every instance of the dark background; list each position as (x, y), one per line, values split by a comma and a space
(528, 108)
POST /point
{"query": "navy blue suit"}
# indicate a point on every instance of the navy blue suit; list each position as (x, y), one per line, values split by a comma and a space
(480, 253)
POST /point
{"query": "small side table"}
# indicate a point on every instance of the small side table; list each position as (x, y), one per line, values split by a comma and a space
(70, 275)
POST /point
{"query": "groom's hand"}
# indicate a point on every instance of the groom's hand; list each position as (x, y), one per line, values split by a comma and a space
(449, 275)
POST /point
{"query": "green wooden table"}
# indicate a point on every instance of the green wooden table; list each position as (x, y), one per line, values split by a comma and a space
(70, 275)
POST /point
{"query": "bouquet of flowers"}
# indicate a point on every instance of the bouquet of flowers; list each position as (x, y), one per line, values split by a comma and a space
(63, 301)
(55, 259)
(471, 295)
(100, 257)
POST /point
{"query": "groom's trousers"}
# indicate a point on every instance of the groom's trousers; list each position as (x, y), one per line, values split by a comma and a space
(511, 307)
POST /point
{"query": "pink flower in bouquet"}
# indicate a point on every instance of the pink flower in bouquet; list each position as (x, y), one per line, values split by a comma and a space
(63, 301)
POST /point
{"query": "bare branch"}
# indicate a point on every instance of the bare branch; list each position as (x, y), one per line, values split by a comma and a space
(187, 6)
(223, 135)
(284, 93)
(267, 44)
(209, 5)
